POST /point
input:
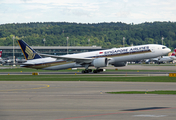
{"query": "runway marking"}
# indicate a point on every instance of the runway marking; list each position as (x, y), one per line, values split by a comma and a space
(45, 86)
(112, 113)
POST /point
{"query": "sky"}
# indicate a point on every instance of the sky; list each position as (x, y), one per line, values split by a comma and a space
(87, 11)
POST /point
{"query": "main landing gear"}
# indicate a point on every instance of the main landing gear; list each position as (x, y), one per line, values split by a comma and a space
(87, 71)
(90, 70)
(98, 70)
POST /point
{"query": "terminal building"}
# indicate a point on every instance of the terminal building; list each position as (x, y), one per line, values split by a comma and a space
(7, 51)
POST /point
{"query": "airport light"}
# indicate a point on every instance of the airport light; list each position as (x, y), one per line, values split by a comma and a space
(162, 40)
(44, 41)
(13, 51)
(123, 41)
(88, 41)
(63, 37)
(67, 44)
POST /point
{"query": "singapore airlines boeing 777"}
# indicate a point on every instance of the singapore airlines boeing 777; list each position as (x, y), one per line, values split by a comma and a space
(117, 57)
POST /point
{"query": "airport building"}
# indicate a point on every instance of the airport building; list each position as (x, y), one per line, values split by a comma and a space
(7, 51)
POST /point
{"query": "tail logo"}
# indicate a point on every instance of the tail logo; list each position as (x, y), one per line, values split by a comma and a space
(30, 53)
(173, 54)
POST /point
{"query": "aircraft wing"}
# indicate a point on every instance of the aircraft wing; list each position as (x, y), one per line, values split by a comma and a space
(173, 57)
(77, 60)
(154, 59)
(28, 63)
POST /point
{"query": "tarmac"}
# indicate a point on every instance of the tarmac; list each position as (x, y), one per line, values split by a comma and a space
(162, 70)
(52, 100)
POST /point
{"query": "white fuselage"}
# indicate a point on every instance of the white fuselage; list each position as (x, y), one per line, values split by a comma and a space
(114, 55)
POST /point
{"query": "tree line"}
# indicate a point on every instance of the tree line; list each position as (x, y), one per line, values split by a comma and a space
(107, 35)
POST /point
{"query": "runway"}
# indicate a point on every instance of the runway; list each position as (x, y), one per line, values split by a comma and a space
(51, 100)
(101, 73)
(151, 70)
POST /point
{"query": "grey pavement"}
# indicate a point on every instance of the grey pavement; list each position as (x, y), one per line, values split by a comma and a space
(51, 100)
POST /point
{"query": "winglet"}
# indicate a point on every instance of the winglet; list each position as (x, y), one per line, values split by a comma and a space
(28, 52)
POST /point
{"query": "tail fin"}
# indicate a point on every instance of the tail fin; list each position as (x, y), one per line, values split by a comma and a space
(28, 52)
(0, 53)
(173, 54)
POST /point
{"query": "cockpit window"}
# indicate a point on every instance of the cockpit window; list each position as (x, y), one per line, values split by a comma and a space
(163, 47)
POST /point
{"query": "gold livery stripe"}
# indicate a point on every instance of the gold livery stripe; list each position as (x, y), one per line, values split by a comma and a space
(44, 65)
(22, 50)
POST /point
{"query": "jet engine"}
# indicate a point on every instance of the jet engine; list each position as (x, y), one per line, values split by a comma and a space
(120, 64)
(100, 62)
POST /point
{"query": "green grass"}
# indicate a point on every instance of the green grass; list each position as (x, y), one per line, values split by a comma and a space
(145, 92)
(114, 78)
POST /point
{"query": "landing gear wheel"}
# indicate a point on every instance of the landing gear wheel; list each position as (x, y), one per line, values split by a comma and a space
(87, 71)
(83, 71)
(95, 71)
(98, 70)
(101, 70)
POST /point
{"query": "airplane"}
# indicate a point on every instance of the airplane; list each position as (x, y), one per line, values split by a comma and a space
(5, 60)
(1, 60)
(164, 59)
(0, 54)
(117, 57)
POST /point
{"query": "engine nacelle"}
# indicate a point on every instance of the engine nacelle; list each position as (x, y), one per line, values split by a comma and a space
(100, 62)
(120, 64)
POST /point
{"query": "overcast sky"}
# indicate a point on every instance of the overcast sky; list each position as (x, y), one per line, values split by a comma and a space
(87, 11)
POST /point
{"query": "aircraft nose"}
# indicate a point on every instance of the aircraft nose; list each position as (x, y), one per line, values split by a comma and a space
(168, 50)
